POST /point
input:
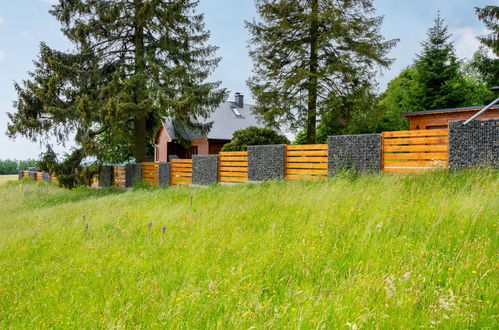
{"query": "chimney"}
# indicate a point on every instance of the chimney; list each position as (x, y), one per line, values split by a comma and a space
(239, 100)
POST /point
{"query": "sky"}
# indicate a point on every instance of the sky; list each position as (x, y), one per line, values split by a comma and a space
(26, 23)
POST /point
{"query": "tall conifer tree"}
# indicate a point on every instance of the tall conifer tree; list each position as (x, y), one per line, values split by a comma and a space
(489, 15)
(134, 61)
(438, 73)
(309, 55)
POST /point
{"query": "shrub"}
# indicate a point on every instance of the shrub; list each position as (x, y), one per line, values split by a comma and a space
(254, 136)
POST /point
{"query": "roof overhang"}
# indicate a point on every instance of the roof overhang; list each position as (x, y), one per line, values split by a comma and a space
(429, 112)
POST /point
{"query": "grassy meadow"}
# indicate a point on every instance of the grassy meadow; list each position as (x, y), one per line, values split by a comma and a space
(6, 178)
(381, 251)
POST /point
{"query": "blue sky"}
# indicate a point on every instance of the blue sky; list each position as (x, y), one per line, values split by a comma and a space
(25, 23)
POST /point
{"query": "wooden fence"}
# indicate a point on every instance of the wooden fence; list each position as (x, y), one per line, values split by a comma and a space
(306, 161)
(181, 172)
(119, 177)
(233, 166)
(415, 151)
(402, 151)
(150, 173)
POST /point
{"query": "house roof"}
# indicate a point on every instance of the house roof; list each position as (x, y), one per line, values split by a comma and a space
(426, 112)
(225, 122)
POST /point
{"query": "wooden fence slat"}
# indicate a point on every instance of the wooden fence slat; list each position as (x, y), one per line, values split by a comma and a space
(304, 177)
(305, 171)
(307, 165)
(307, 153)
(238, 174)
(306, 159)
(307, 147)
(234, 158)
(430, 147)
(233, 179)
(416, 155)
(234, 168)
(416, 163)
(181, 174)
(233, 153)
(408, 170)
(178, 182)
(176, 161)
(417, 140)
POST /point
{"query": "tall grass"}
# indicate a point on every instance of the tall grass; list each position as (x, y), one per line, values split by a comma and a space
(389, 251)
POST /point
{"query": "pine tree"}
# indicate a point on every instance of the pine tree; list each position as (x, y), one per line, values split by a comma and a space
(438, 71)
(309, 55)
(134, 61)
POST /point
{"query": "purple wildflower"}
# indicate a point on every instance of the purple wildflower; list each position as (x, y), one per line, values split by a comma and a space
(149, 225)
(164, 229)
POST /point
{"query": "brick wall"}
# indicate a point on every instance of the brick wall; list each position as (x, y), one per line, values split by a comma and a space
(162, 146)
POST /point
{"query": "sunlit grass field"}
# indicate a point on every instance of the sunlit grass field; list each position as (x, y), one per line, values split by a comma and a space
(6, 178)
(386, 251)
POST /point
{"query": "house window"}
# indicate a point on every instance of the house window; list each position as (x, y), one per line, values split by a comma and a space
(237, 113)
(436, 126)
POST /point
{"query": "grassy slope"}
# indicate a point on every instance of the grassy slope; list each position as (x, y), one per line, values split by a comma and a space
(391, 251)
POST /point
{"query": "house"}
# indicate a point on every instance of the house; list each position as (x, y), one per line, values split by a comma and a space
(434, 119)
(227, 118)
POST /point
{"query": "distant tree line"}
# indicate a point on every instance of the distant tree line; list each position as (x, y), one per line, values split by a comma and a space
(12, 166)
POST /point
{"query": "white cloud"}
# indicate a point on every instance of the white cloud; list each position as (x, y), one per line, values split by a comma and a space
(52, 2)
(1, 20)
(2, 56)
(466, 41)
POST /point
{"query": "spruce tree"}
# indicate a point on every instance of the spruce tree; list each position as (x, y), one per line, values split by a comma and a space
(134, 62)
(438, 71)
(309, 55)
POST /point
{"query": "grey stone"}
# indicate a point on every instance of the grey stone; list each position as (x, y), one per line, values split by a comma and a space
(133, 173)
(475, 144)
(20, 175)
(361, 153)
(32, 175)
(106, 176)
(46, 177)
(266, 162)
(33, 169)
(204, 169)
(164, 174)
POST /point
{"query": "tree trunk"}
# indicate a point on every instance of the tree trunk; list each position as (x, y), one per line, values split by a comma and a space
(140, 121)
(312, 80)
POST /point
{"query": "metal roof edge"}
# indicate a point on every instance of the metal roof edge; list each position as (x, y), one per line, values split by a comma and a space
(424, 112)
